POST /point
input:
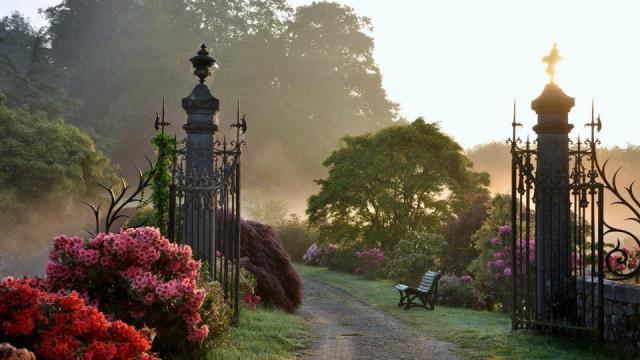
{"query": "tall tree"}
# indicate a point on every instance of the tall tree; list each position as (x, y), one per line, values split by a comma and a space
(28, 74)
(384, 184)
(297, 74)
(460, 248)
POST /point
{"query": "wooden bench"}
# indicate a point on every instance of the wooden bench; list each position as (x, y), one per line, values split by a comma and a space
(426, 292)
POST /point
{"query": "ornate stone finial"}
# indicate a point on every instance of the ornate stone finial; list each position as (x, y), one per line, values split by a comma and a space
(551, 60)
(202, 63)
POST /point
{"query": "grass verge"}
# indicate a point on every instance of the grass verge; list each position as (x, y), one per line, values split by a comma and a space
(265, 334)
(478, 334)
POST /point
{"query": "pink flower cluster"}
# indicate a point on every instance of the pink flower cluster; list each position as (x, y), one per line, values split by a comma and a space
(369, 261)
(624, 261)
(504, 230)
(500, 266)
(317, 254)
(154, 279)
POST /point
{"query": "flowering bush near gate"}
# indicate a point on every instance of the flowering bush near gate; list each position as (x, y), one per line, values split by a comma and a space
(138, 276)
(62, 326)
(494, 279)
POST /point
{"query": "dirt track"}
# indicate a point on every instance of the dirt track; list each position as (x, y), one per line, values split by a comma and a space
(349, 329)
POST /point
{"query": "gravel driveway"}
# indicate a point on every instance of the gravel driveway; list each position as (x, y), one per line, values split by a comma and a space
(349, 329)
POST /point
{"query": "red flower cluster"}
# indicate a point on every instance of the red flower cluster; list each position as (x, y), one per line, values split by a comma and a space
(137, 275)
(61, 327)
(251, 301)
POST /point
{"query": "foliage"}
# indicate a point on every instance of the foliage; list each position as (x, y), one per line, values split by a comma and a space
(317, 254)
(144, 216)
(44, 159)
(458, 292)
(296, 236)
(265, 50)
(369, 262)
(415, 254)
(459, 248)
(382, 185)
(277, 283)
(28, 74)
(342, 259)
(161, 179)
(61, 326)
(215, 311)
(46, 168)
(138, 276)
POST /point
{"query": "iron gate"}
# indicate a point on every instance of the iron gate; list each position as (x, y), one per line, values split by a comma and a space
(557, 288)
(205, 209)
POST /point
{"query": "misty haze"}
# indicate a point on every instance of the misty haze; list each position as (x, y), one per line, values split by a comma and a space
(280, 179)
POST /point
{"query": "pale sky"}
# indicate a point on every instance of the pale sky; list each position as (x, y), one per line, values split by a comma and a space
(462, 63)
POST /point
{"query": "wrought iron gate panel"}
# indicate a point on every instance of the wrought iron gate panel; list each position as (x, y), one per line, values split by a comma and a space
(557, 293)
(204, 212)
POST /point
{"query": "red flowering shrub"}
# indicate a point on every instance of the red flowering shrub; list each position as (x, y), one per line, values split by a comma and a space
(60, 327)
(138, 276)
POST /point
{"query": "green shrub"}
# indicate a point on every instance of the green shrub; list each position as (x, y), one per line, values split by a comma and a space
(414, 255)
(145, 216)
(164, 145)
(458, 292)
(343, 260)
(296, 236)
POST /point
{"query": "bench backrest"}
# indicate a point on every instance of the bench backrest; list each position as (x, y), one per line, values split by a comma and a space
(429, 281)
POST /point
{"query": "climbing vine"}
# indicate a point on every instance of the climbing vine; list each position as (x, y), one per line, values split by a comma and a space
(165, 146)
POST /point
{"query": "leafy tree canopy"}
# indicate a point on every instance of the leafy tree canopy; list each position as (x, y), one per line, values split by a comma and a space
(28, 74)
(383, 184)
(44, 161)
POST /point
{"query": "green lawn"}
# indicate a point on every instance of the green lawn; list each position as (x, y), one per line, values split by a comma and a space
(264, 334)
(479, 334)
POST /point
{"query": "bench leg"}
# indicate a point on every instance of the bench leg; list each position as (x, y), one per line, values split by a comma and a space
(411, 302)
(425, 302)
(403, 298)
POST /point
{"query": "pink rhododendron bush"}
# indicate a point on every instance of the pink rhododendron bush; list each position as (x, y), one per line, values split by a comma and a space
(138, 276)
(316, 255)
(369, 262)
(57, 326)
(493, 269)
